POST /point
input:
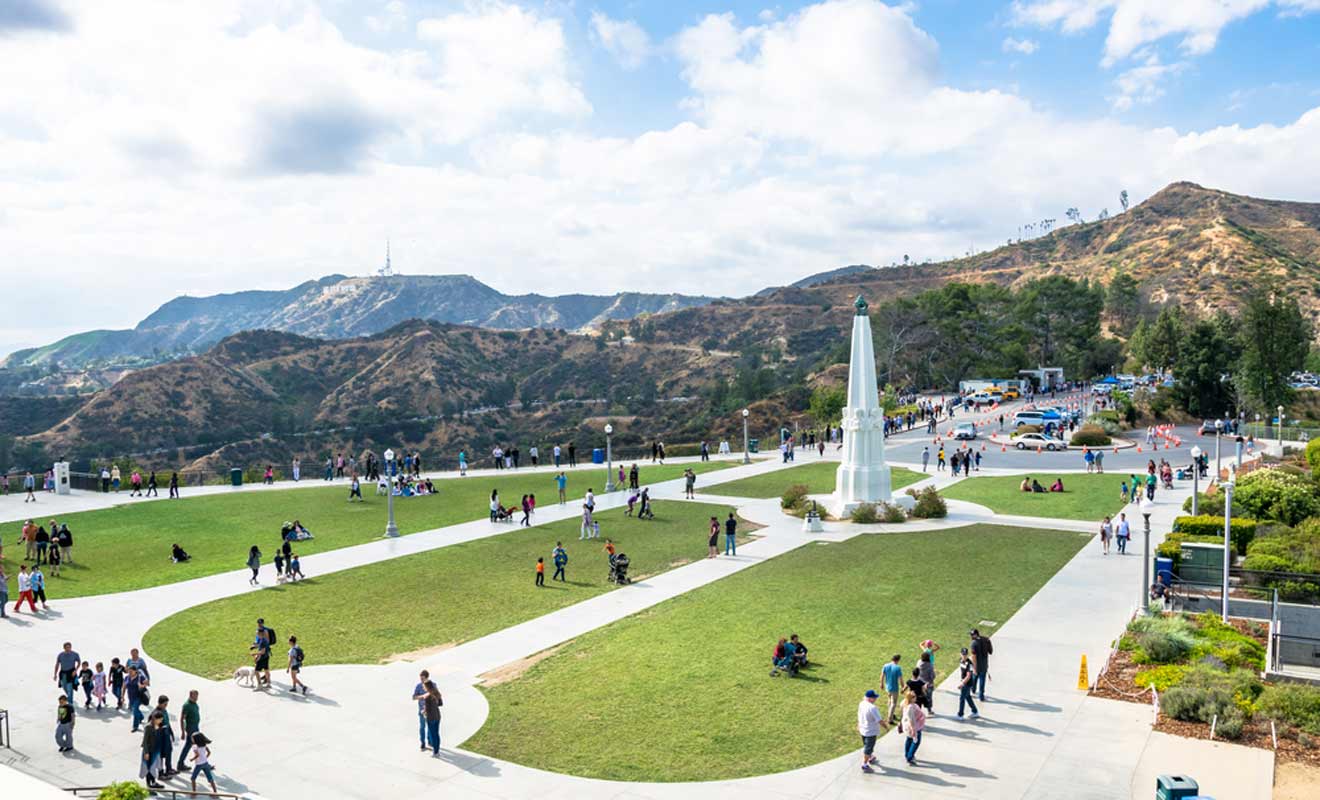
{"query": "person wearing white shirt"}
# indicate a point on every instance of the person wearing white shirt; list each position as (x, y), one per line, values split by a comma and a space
(868, 725)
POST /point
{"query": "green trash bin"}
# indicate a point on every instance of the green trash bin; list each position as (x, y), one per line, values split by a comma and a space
(1175, 787)
(235, 477)
(753, 445)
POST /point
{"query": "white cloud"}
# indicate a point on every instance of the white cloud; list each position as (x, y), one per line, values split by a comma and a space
(243, 147)
(392, 17)
(1024, 46)
(1143, 84)
(624, 39)
(1135, 23)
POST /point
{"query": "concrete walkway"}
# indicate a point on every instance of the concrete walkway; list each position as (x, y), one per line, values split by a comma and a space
(1039, 737)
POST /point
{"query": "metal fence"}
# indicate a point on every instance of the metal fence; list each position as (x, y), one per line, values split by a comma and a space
(1293, 587)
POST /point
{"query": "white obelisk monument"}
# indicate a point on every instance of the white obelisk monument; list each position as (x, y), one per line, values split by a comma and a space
(863, 476)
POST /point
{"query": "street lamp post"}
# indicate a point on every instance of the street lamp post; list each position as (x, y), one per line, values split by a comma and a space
(1280, 430)
(1196, 480)
(1228, 543)
(1147, 507)
(609, 460)
(1219, 430)
(391, 530)
(747, 454)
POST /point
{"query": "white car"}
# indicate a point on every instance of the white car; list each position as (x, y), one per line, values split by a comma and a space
(1039, 440)
(964, 431)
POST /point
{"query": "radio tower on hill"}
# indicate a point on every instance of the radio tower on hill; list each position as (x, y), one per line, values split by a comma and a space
(386, 271)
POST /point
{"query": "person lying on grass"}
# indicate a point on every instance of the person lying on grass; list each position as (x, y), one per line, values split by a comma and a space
(1057, 486)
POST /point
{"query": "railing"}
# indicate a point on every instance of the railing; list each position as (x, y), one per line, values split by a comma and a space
(160, 791)
(1292, 431)
(1296, 651)
(1295, 587)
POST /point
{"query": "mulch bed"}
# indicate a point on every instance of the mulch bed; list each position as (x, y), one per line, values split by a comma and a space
(1118, 683)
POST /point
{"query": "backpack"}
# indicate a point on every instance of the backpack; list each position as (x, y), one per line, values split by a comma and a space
(299, 656)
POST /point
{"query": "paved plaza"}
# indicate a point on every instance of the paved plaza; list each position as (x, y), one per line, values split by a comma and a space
(354, 736)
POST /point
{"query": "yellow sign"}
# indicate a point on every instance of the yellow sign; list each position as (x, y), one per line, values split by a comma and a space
(1083, 680)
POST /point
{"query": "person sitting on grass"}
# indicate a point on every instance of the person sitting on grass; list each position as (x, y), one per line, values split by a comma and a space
(178, 555)
(1025, 486)
(1057, 486)
(1036, 487)
(799, 651)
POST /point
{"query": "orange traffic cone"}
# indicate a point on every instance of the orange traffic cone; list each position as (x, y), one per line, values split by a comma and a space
(1037, 449)
(1138, 448)
(1115, 449)
(1003, 448)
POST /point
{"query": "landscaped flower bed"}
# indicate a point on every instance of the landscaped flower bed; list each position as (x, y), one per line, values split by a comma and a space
(1207, 672)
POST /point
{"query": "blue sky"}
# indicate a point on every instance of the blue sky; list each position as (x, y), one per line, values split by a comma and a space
(703, 147)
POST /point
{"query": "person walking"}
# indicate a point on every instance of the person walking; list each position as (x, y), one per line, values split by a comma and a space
(419, 696)
(712, 541)
(296, 468)
(164, 737)
(117, 675)
(914, 722)
(4, 592)
(66, 670)
(982, 649)
(254, 564)
(966, 682)
(136, 690)
(431, 704)
(892, 678)
(560, 558)
(561, 482)
(939, 459)
(1106, 532)
(926, 670)
(868, 725)
(527, 513)
(201, 758)
(25, 590)
(294, 668)
(731, 535)
(1088, 456)
(1124, 532)
(149, 766)
(39, 588)
(65, 715)
(29, 487)
(355, 490)
(190, 721)
(174, 485)
(540, 572)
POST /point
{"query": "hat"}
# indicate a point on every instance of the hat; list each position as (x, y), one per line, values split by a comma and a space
(870, 693)
(974, 632)
(964, 651)
(928, 643)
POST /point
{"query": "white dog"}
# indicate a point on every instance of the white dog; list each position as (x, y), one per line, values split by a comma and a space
(245, 676)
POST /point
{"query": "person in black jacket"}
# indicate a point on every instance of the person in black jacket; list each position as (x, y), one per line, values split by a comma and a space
(981, 651)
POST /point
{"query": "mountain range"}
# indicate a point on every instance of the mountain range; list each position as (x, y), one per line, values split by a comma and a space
(445, 385)
(338, 307)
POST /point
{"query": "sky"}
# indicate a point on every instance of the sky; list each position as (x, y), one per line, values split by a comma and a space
(152, 148)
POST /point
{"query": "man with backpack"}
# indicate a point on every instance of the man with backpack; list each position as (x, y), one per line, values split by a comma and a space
(296, 658)
(982, 649)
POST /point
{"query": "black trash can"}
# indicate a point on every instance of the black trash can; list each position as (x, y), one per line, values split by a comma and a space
(235, 477)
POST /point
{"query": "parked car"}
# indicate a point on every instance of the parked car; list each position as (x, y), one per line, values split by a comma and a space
(1208, 427)
(965, 431)
(1012, 394)
(1034, 440)
(1036, 416)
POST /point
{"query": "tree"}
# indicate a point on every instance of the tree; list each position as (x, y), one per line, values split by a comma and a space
(1161, 338)
(1122, 302)
(1062, 320)
(827, 404)
(1274, 337)
(1104, 214)
(1206, 357)
(1074, 215)
(1123, 199)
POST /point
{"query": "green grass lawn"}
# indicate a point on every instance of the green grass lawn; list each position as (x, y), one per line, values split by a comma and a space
(818, 478)
(128, 547)
(1085, 496)
(682, 692)
(366, 615)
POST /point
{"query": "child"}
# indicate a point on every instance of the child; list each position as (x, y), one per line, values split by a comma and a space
(117, 683)
(540, 572)
(1123, 491)
(294, 567)
(279, 567)
(53, 560)
(98, 686)
(201, 758)
(85, 678)
(632, 503)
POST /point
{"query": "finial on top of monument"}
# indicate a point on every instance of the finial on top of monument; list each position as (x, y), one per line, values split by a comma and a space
(860, 305)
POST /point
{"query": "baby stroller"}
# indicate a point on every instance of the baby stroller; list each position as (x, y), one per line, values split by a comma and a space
(619, 570)
(505, 514)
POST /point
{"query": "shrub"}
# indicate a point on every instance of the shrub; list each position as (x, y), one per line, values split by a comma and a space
(929, 504)
(1264, 562)
(893, 513)
(1230, 724)
(1211, 505)
(793, 496)
(1313, 454)
(1295, 704)
(1027, 429)
(1241, 531)
(124, 790)
(1090, 436)
(1158, 647)
(1192, 704)
(1275, 494)
(865, 514)
(1106, 421)
(1161, 677)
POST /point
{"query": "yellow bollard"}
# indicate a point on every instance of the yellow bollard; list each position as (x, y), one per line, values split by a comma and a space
(1083, 679)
